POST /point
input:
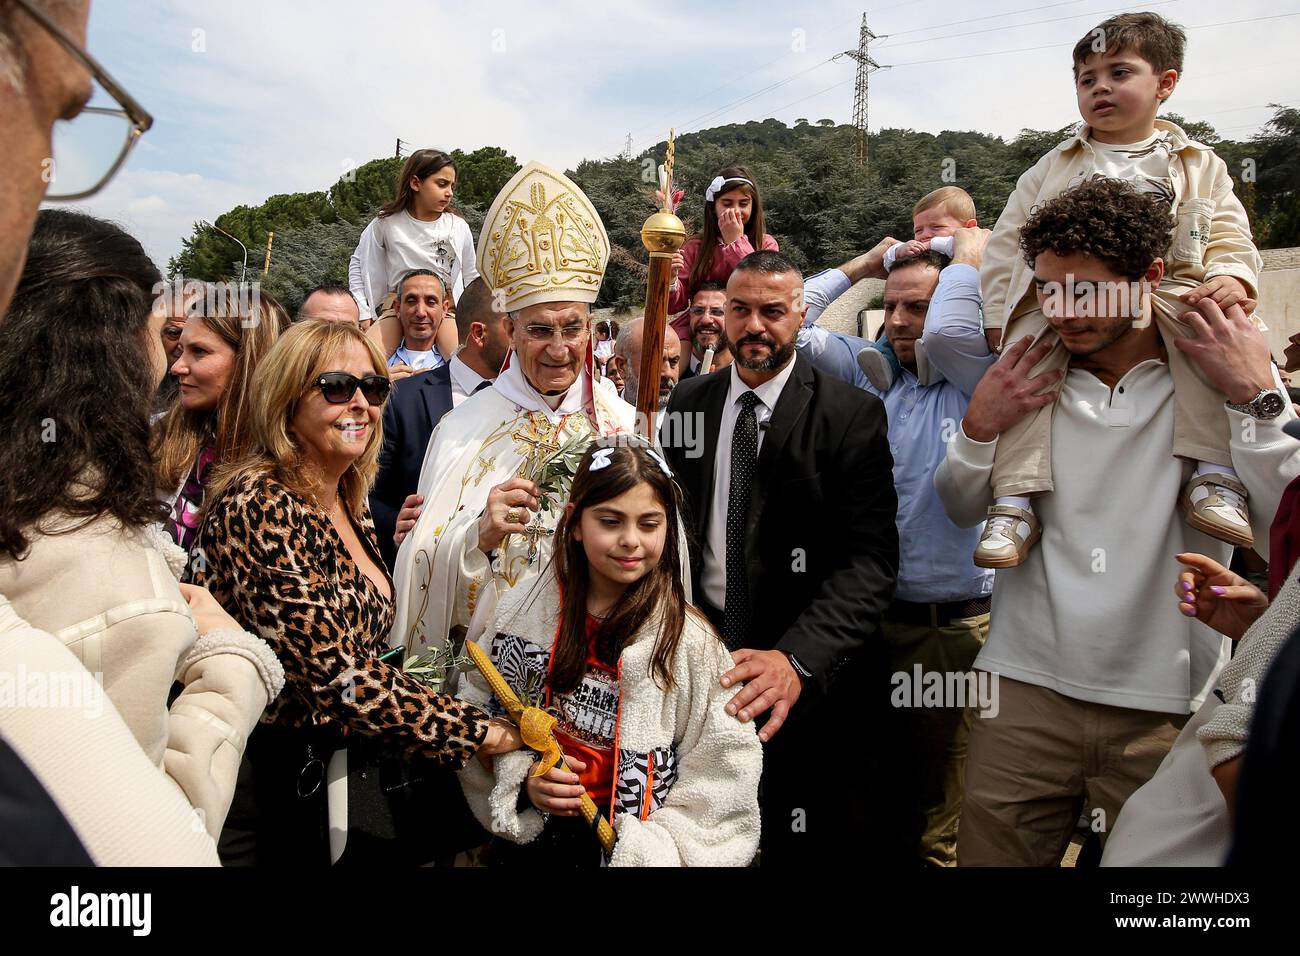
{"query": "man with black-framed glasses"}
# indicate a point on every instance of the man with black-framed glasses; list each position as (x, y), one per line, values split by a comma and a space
(706, 314)
(55, 146)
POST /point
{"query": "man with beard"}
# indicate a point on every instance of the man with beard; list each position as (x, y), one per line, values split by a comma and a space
(483, 342)
(939, 618)
(708, 308)
(627, 355)
(1096, 671)
(793, 499)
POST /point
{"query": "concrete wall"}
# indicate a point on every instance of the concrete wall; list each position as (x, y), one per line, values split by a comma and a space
(1279, 304)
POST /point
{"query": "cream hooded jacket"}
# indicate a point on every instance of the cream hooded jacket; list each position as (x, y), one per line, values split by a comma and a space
(111, 596)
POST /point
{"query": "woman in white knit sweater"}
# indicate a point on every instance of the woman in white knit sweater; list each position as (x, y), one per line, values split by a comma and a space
(81, 555)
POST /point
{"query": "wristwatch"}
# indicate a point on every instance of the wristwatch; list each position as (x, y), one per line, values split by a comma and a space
(1265, 406)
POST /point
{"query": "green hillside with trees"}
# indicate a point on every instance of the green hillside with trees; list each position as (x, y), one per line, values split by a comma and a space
(821, 207)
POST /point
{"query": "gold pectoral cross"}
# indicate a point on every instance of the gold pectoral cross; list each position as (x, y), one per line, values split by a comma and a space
(543, 443)
(541, 446)
(533, 532)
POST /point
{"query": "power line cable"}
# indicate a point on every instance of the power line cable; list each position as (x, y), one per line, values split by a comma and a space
(688, 127)
(1031, 23)
(700, 96)
(991, 16)
(1051, 46)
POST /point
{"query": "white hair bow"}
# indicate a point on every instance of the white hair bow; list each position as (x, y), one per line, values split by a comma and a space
(718, 182)
(600, 459)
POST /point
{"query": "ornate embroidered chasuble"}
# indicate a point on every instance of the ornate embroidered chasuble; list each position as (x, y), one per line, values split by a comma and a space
(441, 577)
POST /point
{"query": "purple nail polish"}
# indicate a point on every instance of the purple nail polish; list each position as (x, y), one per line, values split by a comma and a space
(1217, 590)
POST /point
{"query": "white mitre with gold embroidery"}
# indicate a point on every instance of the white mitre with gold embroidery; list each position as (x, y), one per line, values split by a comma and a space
(542, 241)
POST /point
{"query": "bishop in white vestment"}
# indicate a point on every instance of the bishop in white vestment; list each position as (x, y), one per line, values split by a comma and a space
(542, 251)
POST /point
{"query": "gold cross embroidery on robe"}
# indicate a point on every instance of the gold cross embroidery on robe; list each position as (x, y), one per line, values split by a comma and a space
(542, 440)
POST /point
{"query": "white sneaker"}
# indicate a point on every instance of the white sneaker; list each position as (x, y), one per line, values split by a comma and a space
(922, 363)
(1009, 533)
(1216, 505)
(876, 367)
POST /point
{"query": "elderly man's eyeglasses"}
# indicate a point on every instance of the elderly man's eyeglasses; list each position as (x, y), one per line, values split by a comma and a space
(93, 145)
(546, 333)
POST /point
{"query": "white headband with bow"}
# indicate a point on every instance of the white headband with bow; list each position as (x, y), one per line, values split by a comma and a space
(601, 459)
(715, 187)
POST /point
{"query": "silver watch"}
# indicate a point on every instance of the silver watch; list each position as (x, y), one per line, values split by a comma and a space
(1265, 406)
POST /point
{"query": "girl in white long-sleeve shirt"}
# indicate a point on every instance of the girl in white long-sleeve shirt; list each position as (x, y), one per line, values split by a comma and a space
(416, 230)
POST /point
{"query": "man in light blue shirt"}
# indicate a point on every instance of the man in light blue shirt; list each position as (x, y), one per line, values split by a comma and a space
(421, 308)
(939, 618)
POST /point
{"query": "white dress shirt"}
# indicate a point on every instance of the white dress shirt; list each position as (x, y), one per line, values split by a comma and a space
(714, 578)
(464, 380)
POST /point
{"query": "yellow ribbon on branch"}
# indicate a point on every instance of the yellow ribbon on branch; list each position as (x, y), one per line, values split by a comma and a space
(537, 727)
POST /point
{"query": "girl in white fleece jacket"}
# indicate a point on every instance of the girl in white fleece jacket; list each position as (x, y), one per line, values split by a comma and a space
(606, 640)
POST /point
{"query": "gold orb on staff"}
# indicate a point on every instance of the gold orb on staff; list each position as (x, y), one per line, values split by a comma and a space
(662, 235)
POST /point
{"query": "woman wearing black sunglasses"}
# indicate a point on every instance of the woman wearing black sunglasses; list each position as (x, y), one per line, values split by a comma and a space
(290, 551)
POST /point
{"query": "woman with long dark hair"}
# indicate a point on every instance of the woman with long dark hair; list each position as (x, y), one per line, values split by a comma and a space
(606, 639)
(222, 340)
(81, 553)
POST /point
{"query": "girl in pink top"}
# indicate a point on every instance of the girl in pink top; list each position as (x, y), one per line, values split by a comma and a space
(733, 228)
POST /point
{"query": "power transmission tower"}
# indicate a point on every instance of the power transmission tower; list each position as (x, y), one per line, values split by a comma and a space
(866, 65)
(400, 143)
(627, 147)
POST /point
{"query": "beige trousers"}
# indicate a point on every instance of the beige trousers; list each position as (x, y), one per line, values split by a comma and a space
(1022, 463)
(1042, 760)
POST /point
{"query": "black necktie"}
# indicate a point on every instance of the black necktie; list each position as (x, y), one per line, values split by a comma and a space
(744, 465)
(486, 383)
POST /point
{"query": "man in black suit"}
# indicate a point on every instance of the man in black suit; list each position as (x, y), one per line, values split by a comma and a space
(415, 406)
(792, 503)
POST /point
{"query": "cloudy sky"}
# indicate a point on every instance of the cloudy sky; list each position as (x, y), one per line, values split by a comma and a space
(257, 97)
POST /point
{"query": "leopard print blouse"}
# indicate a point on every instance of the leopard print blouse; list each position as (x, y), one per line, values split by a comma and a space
(275, 563)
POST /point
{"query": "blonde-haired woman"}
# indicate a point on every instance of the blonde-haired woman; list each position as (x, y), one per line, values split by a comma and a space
(221, 344)
(290, 552)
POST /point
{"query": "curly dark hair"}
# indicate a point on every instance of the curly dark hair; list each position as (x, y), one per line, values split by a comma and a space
(1105, 218)
(76, 382)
